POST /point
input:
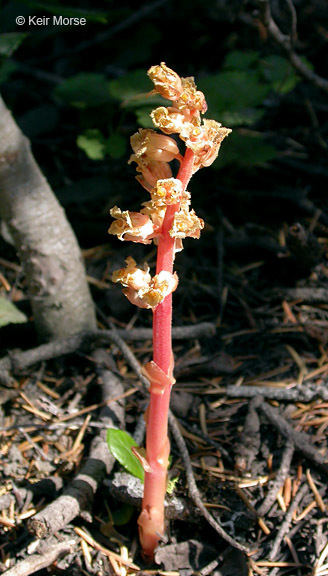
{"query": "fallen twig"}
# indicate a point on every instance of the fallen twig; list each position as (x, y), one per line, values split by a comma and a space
(302, 393)
(284, 528)
(44, 559)
(279, 479)
(79, 495)
(301, 440)
(193, 490)
(21, 360)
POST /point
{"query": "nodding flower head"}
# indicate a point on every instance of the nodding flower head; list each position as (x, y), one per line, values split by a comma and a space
(190, 97)
(150, 171)
(150, 145)
(167, 191)
(186, 223)
(204, 141)
(167, 82)
(140, 288)
(170, 120)
(133, 226)
(131, 276)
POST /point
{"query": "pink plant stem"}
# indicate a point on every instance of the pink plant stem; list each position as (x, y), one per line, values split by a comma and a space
(151, 520)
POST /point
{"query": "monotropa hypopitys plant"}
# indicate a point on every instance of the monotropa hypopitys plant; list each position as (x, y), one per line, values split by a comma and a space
(165, 219)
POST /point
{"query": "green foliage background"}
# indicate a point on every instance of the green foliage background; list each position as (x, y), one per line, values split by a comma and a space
(79, 92)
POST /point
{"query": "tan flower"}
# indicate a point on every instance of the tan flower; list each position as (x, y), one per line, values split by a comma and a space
(204, 141)
(160, 286)
(150, 145)
(167, 82)
(167, 191)
(133, 226)
(170, 120)
(155, 211)
(131, 276)
(140, 288)
(186, 224)
(151, 171)
(190, 97)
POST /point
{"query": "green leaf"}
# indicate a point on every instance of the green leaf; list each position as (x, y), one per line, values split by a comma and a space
(9, 313)
(143, 117)
(10, 42)
(171, 485)
(85, 90)
(245, 117)
(116, 145)
(120, 444)
(245, 150)
(39, 120)
(234, 91)
(123, 515)
(280, 73)
(92, 142)
(238, 60)
(130, 87)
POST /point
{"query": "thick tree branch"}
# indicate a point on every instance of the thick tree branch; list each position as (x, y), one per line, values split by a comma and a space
(46, 244)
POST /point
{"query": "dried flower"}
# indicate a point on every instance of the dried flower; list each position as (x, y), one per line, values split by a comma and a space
(140, 288)
(167, 82)
(167, 191)
(191, 98)
(186, 224)
(131, 276)
(150, 145)
(151, 171)
(204, 141)
(133, 226)
(170, 120)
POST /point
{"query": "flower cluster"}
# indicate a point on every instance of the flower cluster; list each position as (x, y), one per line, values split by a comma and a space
(140, 288)
(152, 153)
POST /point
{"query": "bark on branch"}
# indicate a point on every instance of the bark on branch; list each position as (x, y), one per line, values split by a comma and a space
(46, 244)
(286, 44)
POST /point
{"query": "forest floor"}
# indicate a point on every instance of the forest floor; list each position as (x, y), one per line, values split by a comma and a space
(248, 435)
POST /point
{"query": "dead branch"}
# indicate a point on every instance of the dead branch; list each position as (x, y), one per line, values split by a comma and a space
(44, 559)
(193, 489)
(305, 393)
(79, 495)
(285, 43)
(21, 360)
(279, 479)
(301, 440)
(285, 526)
(248, 444)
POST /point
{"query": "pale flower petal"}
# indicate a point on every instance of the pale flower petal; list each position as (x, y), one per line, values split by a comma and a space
(167, 191)
(169, 120)
(191, 98)
(133, 226)
(204, 141)
(140, 288)
(167, 82)
(160, 286)
(131, 276)
(150, 145)
(186, 224)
